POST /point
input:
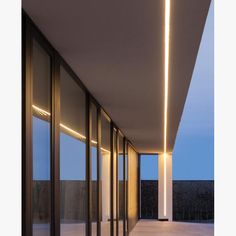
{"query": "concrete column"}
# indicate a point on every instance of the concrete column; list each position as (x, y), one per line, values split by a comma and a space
(165, 187)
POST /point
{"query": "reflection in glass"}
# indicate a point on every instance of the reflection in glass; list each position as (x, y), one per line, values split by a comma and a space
(121, 185)
(105, 175)
(72, 157)
(94, 169)
(41, 125)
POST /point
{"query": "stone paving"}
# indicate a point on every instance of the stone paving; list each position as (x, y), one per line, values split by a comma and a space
(158, 228)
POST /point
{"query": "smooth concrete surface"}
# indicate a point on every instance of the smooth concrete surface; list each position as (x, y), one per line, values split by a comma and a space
(165, 181)
(117, 50)
(154, 227)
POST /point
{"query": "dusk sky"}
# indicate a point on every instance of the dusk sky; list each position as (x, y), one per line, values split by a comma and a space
(193, 156)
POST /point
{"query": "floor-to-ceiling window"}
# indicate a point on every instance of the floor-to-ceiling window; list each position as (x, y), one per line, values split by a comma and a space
(114, 182)
(121, 185)
(105, 175)
(94, 165)
(63, 191)
(72, 157)
(41, 135)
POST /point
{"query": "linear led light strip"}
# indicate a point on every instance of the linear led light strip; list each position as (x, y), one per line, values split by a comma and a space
(46, 113)
(167, 39)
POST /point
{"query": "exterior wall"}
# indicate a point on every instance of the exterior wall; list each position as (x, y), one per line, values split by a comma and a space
(149, 199)
(192, 200)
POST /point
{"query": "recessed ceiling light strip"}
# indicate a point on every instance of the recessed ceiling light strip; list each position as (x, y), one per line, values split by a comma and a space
(167, 39)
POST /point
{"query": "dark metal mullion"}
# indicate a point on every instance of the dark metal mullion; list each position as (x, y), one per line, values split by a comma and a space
(117, 183)
(111, 178)
(139, 186)
(26, 128)
(99, 161)
(124, 188)
(127, 187)
(55, 142)
(88, 116)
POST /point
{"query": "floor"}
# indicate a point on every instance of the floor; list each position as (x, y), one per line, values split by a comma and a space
(154, 227)
(74, 229)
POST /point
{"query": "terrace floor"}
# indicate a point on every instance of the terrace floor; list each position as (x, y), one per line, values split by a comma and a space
(154, 227)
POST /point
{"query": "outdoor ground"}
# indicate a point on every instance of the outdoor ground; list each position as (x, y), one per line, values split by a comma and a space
(154, 227)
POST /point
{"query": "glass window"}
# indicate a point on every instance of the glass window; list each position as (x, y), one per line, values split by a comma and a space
(41, 140)
(105, 175)
(121, 186)
(94, 169)
(72, 157)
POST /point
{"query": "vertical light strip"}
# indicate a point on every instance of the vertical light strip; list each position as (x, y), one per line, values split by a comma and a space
(167, 39)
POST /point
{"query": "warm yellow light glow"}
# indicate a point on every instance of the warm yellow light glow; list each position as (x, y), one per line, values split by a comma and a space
(41, 111)
(71, 131)
(167, 39)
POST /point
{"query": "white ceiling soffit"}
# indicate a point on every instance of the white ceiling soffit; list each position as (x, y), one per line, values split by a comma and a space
(117, 50)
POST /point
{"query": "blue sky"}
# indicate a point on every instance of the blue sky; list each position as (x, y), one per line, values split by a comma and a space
(149, 167)
(193, 155)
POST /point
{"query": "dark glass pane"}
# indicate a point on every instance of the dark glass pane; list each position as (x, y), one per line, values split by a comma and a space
(72, 157)
(94, 169)
(105, 176)
(41, 140)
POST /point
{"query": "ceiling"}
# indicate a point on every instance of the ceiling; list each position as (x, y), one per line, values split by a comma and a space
(117, 50)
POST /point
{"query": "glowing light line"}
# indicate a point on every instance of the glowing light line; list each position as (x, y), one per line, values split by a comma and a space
(167, 39)
(73, 132)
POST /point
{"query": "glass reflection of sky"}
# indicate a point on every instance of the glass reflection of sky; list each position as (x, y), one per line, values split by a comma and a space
(72, 158)
(41, 149)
